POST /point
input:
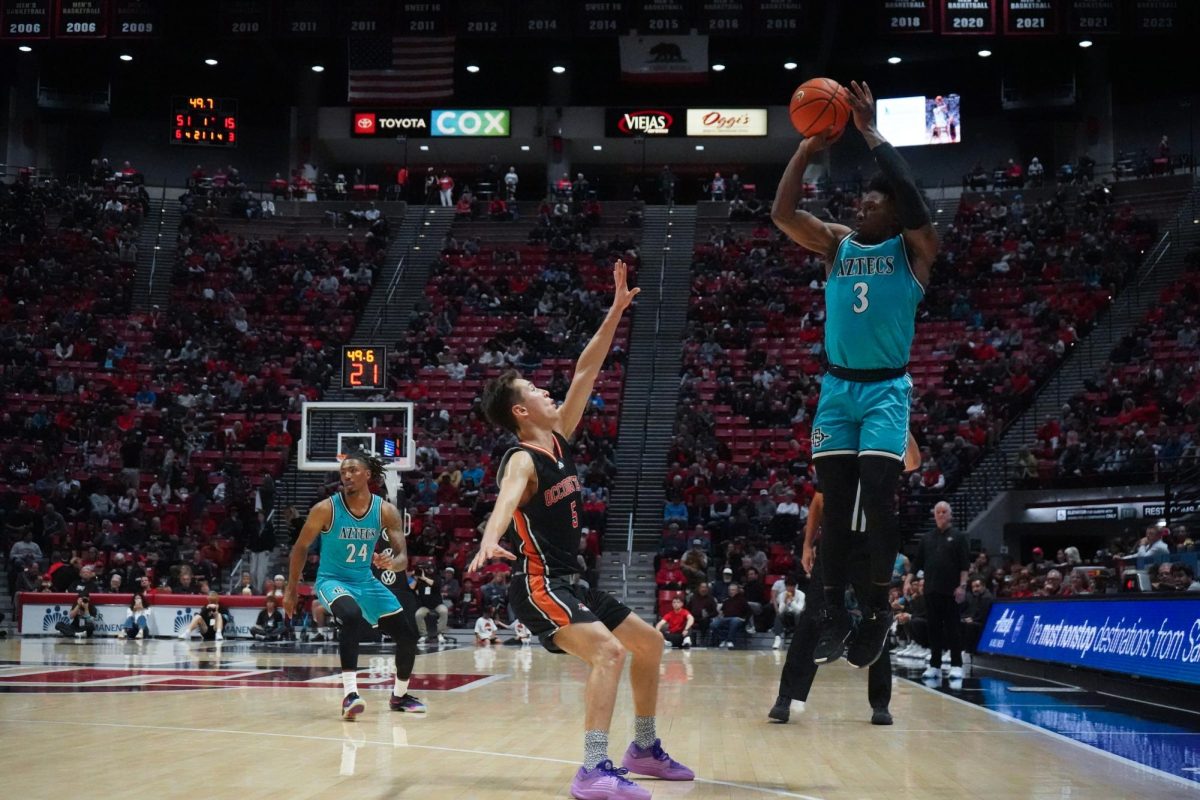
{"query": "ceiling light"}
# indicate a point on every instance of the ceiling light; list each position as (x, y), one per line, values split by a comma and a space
(472, 68)
(718, 67)
(984, 53)
(789, 65)
(894, 60)
(125, 57)
(318, 68)
(212, 62)
(699, 147)
(558, 69)
(525, 148)
(1086, 43)
(597, 147)
(424, 148)
(25, 48)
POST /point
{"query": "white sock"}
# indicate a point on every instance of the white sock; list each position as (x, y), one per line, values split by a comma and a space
(350, 682)
(401, 688)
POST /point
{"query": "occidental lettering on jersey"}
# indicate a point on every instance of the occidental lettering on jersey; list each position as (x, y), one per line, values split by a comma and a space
(358, 533)
(866, 265)
(561, 490)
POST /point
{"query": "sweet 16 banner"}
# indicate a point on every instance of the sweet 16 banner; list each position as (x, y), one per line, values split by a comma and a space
(1151, 638)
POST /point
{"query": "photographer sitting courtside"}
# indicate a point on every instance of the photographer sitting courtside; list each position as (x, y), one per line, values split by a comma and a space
(81, 620)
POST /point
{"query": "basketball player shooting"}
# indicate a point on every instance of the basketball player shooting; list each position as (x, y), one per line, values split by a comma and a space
(538, 506)
(876, 276)
(350, 523)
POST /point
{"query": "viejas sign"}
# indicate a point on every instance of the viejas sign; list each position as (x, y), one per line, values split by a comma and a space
(727, 122)
(646, 121)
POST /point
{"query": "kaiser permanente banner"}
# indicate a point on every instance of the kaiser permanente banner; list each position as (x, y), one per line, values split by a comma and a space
(169, 614)
(1145, 637)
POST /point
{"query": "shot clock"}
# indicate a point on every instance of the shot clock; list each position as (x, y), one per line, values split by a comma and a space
(204, 121)
(364, 366)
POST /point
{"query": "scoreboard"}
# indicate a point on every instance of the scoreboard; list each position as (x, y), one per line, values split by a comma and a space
(204, 121)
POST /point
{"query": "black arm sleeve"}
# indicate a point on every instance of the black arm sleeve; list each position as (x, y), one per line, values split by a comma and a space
(909, 205)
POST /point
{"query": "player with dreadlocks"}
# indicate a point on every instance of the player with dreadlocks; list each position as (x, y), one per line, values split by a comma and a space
(350, 523)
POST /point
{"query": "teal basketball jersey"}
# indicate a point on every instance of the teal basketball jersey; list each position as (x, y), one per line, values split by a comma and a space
(871, 302)
(349, 543)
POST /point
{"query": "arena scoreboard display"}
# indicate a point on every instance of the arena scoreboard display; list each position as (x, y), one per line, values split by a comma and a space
(364, 366)
(204, 121)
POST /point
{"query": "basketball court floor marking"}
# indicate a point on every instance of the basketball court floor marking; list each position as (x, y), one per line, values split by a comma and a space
(309, 737)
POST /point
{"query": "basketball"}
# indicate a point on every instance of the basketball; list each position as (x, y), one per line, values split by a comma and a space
(820, 104)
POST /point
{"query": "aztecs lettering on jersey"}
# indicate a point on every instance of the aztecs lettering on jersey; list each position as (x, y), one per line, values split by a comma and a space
(857, 266)
(561, 490)
(357, 533)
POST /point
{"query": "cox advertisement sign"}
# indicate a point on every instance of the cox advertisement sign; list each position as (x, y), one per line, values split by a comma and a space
(1151, 638)
(646, 121)
(470, 122)
(727, 122)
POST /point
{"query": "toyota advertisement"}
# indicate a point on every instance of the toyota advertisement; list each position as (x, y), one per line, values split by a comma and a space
(420, 124)
(1151, 638)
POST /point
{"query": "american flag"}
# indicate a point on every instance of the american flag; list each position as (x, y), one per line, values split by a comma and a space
(401, 70)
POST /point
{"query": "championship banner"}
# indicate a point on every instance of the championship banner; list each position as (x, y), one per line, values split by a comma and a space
(779, 18)
(482, 18)
(136, 19)
(363, 18)
(723, 16)
(601, 18)
(1151, 638)
(664, 59)
(1094, 17)
(425, 18)
(26, 19)
(168, 614)
(540, 18)
(969, 17)
(81, 19)
(244, 19)
(1030, 17)
(304, 19)
(656, 17)
(906, 16)
(1157, 16)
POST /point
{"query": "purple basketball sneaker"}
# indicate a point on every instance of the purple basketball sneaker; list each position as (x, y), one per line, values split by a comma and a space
(352, 706)
(606, 782)
(654, 762)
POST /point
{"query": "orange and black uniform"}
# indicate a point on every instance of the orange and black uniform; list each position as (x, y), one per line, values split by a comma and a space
(544, 594)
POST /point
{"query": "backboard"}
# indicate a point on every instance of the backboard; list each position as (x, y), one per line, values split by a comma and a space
(329, 430)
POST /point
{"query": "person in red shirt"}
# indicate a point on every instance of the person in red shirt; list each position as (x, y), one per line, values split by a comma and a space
(676, 624)
(445, 186)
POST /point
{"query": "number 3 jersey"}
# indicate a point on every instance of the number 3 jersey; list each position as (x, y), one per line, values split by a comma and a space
(349, 543)
(547, 528)
(871, 301)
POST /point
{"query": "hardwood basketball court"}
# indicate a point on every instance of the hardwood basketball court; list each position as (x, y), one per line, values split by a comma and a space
(171, 719)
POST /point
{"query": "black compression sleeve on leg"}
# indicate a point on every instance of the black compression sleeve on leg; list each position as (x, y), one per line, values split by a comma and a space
(879, 476)
(910, 206)
(350, 615)
(402, 628)
(839, 483)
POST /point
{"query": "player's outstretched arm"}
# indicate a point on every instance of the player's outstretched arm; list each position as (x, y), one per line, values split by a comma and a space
(919, 233)
(592, 357)
(319, 518)
(518, 472)
(800, 226)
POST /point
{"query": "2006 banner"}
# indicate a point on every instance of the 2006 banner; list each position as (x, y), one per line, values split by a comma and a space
(1151, 638)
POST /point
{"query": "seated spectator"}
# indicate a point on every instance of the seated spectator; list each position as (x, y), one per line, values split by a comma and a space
(676, 625)
(734, 613)
(246, 585)
(485, 628)
(428, 589)
(137, 621)
(695, 565)
(269, 626)
(788, 605)
(975, 613)
(669, 575)
(81, 619)
(703, 608)
(1152, 545)
(210, 621)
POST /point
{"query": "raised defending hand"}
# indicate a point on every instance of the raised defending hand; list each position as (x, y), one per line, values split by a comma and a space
(862, 105)
(486, 554)
(622, 294)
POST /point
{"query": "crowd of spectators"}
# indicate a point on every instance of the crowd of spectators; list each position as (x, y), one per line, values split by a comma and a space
(1135, 422)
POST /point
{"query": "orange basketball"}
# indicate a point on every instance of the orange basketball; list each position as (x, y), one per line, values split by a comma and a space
(820, 104)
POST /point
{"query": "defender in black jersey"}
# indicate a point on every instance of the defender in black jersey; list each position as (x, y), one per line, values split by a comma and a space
(539, 506)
